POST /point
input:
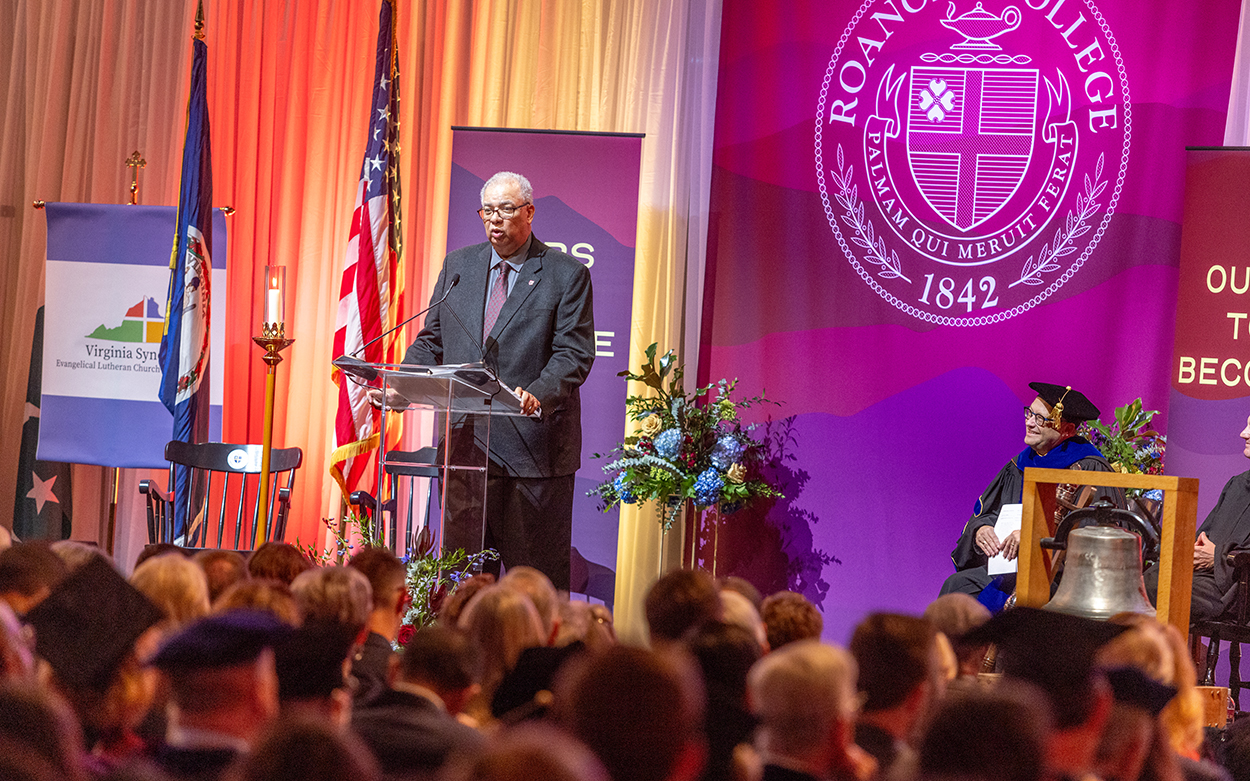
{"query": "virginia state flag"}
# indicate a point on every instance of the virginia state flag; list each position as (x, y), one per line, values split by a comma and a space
(184, 343)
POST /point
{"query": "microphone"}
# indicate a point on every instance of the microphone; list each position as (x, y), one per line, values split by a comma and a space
(353, 365)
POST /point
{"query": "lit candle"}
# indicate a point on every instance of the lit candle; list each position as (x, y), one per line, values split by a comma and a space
(275, 310)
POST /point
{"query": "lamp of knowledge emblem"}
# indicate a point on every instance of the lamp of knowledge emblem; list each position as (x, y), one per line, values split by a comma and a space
(969, 163)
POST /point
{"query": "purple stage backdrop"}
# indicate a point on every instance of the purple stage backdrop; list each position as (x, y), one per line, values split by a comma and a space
(918, 207)
(586, 204)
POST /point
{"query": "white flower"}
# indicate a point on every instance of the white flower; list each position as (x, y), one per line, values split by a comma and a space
(650, 426)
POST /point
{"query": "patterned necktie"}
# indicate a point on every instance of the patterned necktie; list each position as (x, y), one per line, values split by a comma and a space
(498, 295)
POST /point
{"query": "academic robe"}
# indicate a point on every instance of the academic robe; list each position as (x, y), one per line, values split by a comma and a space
(1228, 526)
(1007, 487)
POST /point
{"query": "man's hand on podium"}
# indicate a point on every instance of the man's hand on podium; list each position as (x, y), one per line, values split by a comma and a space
(394, 401)
(529, 404)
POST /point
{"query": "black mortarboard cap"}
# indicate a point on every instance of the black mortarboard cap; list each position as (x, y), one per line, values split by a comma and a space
(88, 624)
(310, 660)
(221, 640)
(1054, 651)
(1076, 407)
(1133, 687)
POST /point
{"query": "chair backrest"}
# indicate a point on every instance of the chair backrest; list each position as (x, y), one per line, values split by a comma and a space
(223, 502)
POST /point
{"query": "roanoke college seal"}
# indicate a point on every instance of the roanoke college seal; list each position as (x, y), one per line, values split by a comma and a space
(970, 158)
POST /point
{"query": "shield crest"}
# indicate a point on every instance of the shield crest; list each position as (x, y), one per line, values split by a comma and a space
(970, 138)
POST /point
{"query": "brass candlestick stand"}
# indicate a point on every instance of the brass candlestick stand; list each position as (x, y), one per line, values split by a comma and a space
(273, 339)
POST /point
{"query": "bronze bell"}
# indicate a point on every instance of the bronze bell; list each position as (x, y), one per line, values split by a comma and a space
(1102, 575)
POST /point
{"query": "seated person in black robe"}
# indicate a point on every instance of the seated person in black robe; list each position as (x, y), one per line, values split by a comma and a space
(1050, 424)
(1226, 527)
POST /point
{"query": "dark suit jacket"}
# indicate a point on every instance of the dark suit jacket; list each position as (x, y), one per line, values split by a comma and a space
(410, 735)
(543, 341)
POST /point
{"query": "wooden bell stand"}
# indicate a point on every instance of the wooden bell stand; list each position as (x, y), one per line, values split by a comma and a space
(1176, 540)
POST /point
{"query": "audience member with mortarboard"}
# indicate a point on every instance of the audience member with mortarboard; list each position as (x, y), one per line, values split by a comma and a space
(1051, 442)
(225, 690)
(87, 631)
(1056, 653)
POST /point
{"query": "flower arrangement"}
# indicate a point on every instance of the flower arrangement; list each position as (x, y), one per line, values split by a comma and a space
(686, 446)
(1129, 443)
(430, 578)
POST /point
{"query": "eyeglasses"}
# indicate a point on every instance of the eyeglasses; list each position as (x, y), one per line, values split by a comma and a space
(1041, 419)
(506, 211)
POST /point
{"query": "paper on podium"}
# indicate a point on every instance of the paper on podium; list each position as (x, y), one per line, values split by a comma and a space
(1009, 519)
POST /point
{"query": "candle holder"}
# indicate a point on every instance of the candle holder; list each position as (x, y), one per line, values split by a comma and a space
(273, 339)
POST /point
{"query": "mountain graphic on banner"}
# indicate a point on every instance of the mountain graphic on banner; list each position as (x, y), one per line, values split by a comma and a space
(143, 322)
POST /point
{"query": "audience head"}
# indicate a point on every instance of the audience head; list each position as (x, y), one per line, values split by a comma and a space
(222, 569)
(738, 610)
(386, 575)
(639, 711)
(310, 663)
(28, 573)
(154, 549)
(455, 603)
(725, 653)
(743, 587)
(680, 601)
(176, 585)
(338, 595)
(899, 664)
(277, 561)
(35, 724)
(75, 553)
(542, 594)
(528, 752)
(955, 615)
(221, 671)
(271, 596)
(583, 622)
(500, 623)
(788, 616)
(804, 696)
(992, 734)
(17, 660)
(305, 749)
(441, 660)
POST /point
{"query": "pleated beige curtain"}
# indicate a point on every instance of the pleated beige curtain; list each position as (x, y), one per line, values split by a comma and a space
(88, 82)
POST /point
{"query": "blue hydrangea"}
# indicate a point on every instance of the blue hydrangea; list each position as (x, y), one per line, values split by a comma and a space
(707, 487)
(668, 443)
(622, 490)
(726, 452)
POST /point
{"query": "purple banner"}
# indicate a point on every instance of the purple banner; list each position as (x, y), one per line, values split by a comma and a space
(107, 281)
(586, 204)
(918, 208)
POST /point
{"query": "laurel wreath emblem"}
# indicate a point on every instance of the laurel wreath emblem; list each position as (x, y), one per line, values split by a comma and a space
(1075, 225)
(848, 197)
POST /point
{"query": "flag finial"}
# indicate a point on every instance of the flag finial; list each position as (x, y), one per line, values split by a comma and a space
(199, 20)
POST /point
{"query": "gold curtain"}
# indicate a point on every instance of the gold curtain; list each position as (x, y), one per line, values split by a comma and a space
(90, 81)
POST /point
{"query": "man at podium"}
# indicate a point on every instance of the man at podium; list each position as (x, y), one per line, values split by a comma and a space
(526, 311)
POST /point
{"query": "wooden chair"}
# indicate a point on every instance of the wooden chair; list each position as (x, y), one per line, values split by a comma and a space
(225, 482)
(402, 469)
(1233, 626)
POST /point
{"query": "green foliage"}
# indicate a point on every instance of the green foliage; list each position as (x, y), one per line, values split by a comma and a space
(1130, 443)
(431, 577)
(710, 440)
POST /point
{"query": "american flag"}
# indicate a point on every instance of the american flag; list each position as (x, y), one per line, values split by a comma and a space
(371, 293)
